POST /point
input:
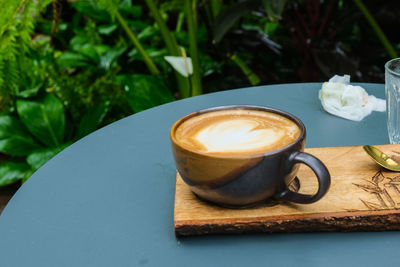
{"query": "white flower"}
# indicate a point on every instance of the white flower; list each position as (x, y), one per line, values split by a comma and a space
(183, 65)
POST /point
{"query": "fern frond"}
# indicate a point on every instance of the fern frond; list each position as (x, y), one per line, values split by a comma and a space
(9, 12)
(26, 26)
(17, 23)
(8, 70)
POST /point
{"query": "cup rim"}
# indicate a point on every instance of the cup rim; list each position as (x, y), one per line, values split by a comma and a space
(392, 71)
(252, 107)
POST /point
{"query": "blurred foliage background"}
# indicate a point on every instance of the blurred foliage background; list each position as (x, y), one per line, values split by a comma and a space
(68, 67)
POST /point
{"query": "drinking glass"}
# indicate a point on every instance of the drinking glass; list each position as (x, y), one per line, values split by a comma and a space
(392, 89)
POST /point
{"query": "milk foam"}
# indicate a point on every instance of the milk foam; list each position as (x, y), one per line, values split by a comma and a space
(237, 132)
(237, 135)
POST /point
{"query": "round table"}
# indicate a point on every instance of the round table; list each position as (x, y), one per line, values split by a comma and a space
(107, 200)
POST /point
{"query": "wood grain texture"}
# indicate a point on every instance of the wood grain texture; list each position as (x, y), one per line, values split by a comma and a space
(362, 197)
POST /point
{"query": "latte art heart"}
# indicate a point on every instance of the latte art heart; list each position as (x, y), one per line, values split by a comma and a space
(237, 135)
(236, 132)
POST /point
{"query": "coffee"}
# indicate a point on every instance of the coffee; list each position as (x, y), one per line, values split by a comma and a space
(236, 132)
(221, 153)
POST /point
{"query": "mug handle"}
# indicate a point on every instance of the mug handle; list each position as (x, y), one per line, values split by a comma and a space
(320, 170)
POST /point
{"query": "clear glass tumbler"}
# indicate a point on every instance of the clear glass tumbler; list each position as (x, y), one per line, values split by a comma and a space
(392, 89)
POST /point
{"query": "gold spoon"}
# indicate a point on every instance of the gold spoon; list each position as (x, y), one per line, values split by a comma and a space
(382, 159)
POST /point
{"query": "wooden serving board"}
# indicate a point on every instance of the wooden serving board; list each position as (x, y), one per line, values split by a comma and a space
(362, 197)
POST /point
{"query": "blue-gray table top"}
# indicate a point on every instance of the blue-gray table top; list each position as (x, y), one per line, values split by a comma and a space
(107, 200)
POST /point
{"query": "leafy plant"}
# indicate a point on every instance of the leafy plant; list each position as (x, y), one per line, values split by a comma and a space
(70, 67)
(16, 27)
(145, 91)
(112, 7)
(39, 134)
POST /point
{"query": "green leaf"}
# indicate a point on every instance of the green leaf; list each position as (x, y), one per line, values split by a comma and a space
(111, 6)
(227, 18)
(29, 92)
(110, 56)
(91, 120)
(156, 54)
(45, 119)
(107, 29)
(147, 33)
(145, 91)
(17, 146)
(11, 126)
(92, 9)
(14, 138)
(216, 6)
(12, 171)
(271, 28)
(90, 52)
(127, 8)
(27, 174)
(40, 157)
(101, 49)
(79, 41)
(72, 60)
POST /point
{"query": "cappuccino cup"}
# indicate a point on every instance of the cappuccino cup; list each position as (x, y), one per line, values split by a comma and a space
(238, 156)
